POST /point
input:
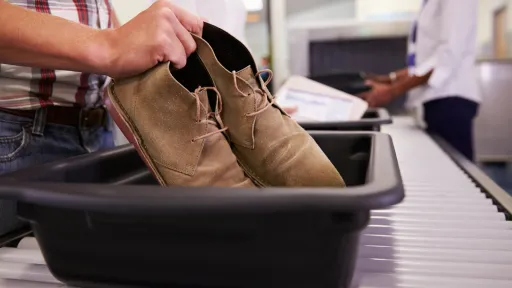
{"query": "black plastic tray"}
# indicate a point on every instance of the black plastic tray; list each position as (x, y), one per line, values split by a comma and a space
(94, 233)
(372, 120)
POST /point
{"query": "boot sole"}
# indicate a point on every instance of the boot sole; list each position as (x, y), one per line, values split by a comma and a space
(127, 125)
(251, 176)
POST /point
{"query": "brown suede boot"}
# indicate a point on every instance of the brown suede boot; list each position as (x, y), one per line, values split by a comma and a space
(270, 146)
(173, 129)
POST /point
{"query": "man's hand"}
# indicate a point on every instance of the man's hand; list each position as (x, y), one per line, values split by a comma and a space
(384, 79)
(159, 34)
(383, 93)
(290, 109)
(380, 95)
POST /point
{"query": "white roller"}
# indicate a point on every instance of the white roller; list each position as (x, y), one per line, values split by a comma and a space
(456, 215)
(28, 272)
(441, 232)
(29, 243)
(450, 186)
(435, 269)
(442, 173)
(436, 242)
(433, 202)
(438, 192)
(409, 280)
(449, 208)
(404, 221)
(425, 178)
(441, 187)
(436, 254)
(411, 197)
(28, 256)
(453, 193)
(5, 283)
(433, 194)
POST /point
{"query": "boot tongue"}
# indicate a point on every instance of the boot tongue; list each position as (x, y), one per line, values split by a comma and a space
(214, 121)
(203, 98)
(248, 75)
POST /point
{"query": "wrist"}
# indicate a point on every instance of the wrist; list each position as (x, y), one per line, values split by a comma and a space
(395, 91)
(392, 77)
(102, 52)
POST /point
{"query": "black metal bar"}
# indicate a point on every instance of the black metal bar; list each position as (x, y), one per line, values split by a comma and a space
(12, 239)
(500, 197)
(372, 120)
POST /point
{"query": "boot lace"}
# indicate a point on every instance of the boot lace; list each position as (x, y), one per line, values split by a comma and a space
(210, 116)
(259, 91)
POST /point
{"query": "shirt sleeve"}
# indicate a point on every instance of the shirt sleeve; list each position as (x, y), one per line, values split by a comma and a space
(456, 36)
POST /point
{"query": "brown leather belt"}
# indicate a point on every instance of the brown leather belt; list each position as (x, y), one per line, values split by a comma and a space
(71, 116)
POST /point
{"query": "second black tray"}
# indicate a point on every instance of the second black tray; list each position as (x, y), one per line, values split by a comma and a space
(372, 120)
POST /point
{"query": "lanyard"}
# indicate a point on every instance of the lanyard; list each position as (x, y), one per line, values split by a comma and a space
(411, 57)
(414, 32)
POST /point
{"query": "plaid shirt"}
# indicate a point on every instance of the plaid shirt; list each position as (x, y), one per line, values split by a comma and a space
(31, 88)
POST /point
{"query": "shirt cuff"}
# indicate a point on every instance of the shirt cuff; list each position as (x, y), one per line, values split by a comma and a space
(425, 67)
(438, 77)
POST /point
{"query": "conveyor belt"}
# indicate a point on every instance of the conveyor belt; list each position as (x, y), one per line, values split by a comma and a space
(446, 233)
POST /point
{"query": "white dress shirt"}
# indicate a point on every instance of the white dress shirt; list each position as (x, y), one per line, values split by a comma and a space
(446, 42)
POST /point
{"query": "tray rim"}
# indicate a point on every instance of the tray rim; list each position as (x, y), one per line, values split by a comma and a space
(384, 189)
(383, 118)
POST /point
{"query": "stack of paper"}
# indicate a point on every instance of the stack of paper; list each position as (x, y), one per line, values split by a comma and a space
(318, 102)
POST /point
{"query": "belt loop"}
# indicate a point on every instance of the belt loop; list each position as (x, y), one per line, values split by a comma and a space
(106, 120)
(39, 121)
(80, 119)
(83, 118)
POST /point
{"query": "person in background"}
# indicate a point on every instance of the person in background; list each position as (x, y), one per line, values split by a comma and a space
(441, 76)
(55, 59)
(265, 64)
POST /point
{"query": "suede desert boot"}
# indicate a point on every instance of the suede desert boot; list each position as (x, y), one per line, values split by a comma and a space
(270, 146)
(167, 116)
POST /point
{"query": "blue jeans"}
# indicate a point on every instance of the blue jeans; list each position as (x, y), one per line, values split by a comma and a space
(25, 142)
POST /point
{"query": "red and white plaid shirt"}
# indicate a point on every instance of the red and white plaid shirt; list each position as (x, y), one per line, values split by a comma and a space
(31, 88)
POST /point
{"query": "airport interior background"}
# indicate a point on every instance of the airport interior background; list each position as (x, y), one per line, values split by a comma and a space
(335, 37)
(376, 202)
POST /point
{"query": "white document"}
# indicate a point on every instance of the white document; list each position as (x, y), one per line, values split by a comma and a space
(319, 103)
(317, 107)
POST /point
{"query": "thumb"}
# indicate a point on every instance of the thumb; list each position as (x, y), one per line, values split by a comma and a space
(363, 95)
(369, 82)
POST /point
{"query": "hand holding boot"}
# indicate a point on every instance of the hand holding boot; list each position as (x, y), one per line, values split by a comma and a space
(159, 34)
